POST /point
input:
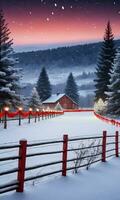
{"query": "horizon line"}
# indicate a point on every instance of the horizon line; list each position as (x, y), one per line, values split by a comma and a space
(41, 47)
(45, 46)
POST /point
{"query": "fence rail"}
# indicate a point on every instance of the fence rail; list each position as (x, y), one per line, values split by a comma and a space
(85, 157)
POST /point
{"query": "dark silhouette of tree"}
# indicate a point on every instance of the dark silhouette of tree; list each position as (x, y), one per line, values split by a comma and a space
(43, 85)
(71, 89)
(104, 66)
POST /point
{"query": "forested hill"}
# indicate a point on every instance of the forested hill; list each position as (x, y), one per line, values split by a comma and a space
(65, 57)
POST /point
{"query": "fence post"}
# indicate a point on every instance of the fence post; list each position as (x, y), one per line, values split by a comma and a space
(38, 116)
(64, 156)
(35, 117)
(5, 120)
(21, 165)
(117, 144)
(29, 117)
(42, 116)
(104, 146)
(19, 117)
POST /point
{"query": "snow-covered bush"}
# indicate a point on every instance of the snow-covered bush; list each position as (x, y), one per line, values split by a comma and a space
(100, 106)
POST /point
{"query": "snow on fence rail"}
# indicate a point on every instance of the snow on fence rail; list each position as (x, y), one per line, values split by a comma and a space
(5, 116)
(108, 120)
(71, 156)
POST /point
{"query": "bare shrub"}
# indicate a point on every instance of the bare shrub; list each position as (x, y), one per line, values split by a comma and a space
(86, 154)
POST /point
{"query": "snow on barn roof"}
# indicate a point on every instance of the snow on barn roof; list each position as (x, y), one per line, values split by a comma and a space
(54, 98)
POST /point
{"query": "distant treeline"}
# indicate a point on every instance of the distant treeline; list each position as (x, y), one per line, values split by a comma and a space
(62, 57)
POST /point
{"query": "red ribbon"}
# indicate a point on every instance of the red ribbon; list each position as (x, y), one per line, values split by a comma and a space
(111, 121)
(12, 114)
(24, 114)
(2, 114)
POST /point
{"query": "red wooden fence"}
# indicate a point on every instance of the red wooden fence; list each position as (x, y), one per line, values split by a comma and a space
(108, 120)
(23, 146)
(104, 146)
(5, 116)
(21, 165)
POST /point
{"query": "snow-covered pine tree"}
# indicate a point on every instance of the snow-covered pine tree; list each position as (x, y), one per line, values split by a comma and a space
(113, 106)
(43, 85)
(104, 66)
(9, 78)
(35, 101)
(71, 89)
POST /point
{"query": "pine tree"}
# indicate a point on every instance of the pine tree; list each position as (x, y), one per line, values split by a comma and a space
(113, 106)
(43, 85)
(104, 66)
(9, 78)
(71, 89)
(35, 101)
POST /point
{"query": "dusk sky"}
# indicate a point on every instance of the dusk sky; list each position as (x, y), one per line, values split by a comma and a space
(56, 22)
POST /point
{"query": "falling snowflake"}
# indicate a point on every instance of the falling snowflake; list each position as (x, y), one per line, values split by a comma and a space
(48, 19)
(30, 13)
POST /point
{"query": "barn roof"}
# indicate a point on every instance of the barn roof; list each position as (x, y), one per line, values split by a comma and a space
(54, 98)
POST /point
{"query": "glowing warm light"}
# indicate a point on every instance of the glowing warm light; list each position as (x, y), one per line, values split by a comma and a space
(20, 108)
(6, 108)
(37, 109)
(30, 109)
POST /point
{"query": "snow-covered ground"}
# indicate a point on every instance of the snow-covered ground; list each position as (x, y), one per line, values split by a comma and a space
(73, 124)
(99, 183)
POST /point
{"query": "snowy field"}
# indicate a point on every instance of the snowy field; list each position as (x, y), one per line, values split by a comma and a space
(99, 183)
(73, 124)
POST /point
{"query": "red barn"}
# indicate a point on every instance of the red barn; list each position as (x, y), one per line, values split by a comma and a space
(63, 100)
